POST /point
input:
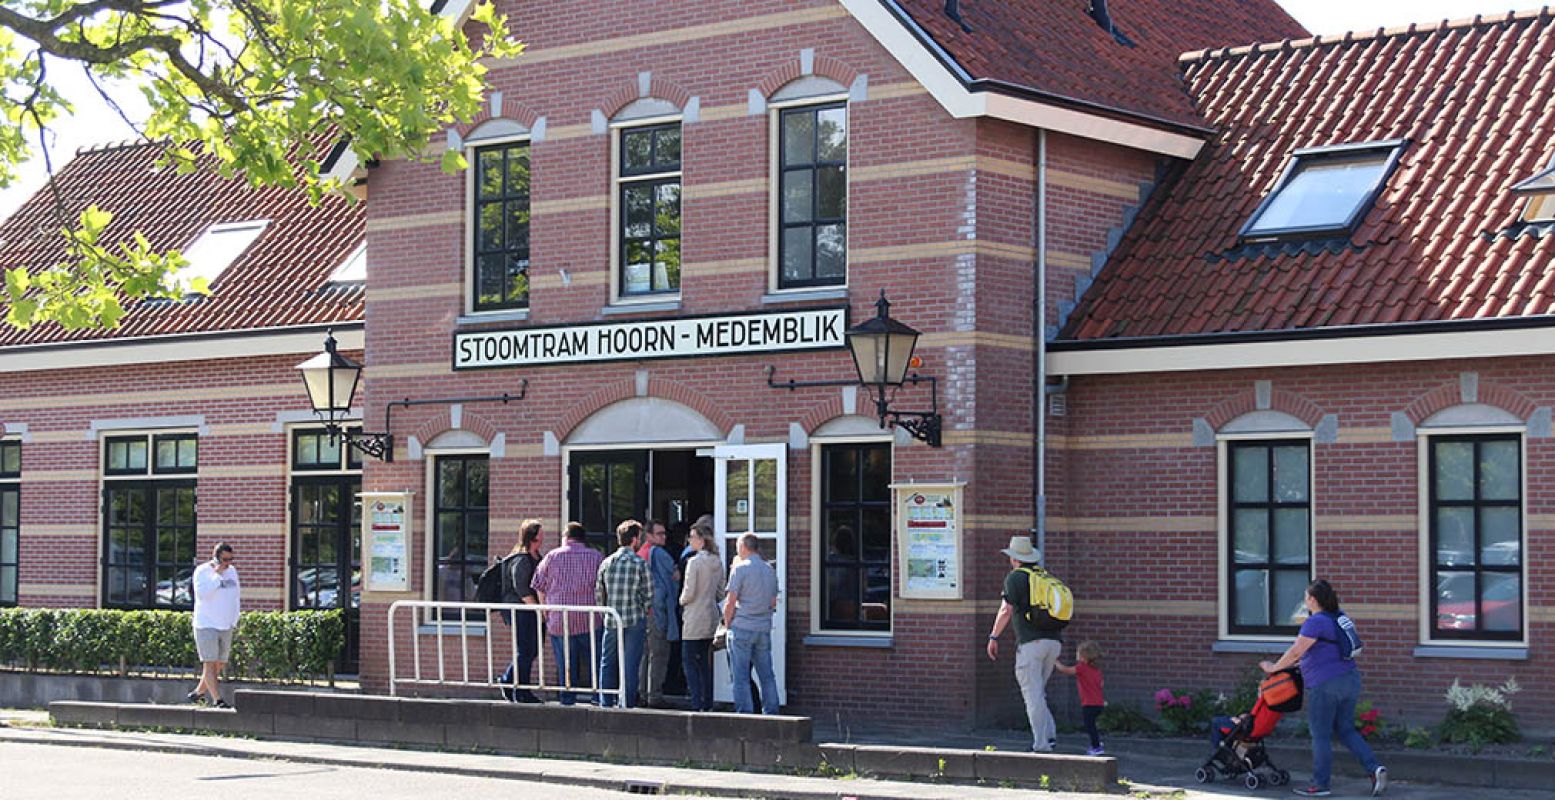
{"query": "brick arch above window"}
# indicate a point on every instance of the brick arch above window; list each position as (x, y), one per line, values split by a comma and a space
(442, 424)
(647, 91)
(1469, 390)
(499, 109)
(1293, 405)
(824, 73)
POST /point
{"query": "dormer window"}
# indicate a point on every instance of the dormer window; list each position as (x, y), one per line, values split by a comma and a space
(353, 269)
(217, 248)
(1324, 192)
(1540, 190)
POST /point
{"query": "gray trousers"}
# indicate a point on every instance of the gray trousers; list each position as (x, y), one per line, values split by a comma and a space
(1033, 666)
(658, 658)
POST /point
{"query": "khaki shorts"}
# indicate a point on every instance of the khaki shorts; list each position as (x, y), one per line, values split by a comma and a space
(213, 644)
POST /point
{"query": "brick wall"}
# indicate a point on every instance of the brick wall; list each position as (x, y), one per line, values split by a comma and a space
(1137, 534)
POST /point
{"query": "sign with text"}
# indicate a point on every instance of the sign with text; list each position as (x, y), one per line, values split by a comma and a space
(386, 541)
(770, 332)
(929, 517)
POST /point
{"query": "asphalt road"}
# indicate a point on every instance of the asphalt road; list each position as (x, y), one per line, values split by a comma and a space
(53, 772)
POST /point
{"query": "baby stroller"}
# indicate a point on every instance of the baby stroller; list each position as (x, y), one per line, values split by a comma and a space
(1239, 750)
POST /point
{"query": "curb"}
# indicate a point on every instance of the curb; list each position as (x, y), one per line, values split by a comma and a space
(855, 790)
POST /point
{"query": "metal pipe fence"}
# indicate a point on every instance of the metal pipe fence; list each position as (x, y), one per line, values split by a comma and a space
(443, 617)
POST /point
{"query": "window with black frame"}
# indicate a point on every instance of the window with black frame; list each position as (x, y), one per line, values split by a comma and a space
(648, 181)
(149, 528)
(856, 522)
(10, 519)
(461, 524)
(1476, 527)
(1270, 534)
(812, 196)
(501, 227)
(326, 531)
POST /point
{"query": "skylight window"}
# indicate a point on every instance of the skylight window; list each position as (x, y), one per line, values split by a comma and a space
(1324, 191)
(1540, 190)
(216, 249)
(354, 270)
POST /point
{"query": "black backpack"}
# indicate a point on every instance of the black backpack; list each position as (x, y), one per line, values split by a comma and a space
(490, 585)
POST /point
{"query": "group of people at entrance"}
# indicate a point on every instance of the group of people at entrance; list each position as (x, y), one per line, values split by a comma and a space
(659, 599)
(1323, 651)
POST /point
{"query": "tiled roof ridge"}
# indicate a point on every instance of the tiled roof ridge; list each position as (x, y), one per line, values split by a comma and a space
(1349, 37)
(123, 144)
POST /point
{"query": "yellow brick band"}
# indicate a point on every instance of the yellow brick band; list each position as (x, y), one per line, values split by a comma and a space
(689, 33)
(406, 222)
(1188, 524)
(597, 202)
(1087, 183)
(430, 290)
(289, 389)
(56, 590)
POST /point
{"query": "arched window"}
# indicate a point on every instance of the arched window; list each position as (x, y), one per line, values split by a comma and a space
(646, 143)
(1266, 528)
(809, 132)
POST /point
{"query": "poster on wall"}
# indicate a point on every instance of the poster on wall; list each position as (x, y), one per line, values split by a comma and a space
(929, 540)
(386, 541)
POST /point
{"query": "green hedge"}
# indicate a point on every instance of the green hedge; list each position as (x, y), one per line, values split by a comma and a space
(268, 645)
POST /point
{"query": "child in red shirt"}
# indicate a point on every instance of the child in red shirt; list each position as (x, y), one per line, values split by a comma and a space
(1088, 678)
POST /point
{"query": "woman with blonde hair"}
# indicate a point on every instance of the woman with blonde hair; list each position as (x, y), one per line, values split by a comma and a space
(699, 620)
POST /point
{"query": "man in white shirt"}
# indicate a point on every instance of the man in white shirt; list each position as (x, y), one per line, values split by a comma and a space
(216, 606)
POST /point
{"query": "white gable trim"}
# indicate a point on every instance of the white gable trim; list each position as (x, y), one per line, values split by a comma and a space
(178, 347)
(1306, 352)
(953, 95)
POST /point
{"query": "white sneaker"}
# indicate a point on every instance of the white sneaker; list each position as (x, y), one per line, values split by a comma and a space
(1379, 781)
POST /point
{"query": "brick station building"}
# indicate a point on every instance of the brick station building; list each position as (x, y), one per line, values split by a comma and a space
(1323, 350)
(109, 435)
(664, 206)
(671, 213)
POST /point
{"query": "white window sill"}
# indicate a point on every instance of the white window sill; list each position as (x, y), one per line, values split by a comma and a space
(515, 315)
(642, 307)
(834, 640)
(805, 296)
(1473, 652)
(1271, 646)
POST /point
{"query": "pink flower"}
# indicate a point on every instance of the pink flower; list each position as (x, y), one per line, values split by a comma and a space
(1163, 698)
(1184, 701)
(1368, 730)
(1371, 716)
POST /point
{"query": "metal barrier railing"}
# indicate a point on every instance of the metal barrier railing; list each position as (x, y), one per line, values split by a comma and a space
(448, 616)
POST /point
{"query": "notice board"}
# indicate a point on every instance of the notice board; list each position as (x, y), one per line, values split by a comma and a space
(386, 551)
(929, 524)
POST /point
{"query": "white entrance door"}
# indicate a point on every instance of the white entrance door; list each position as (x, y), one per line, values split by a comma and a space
(750, 494)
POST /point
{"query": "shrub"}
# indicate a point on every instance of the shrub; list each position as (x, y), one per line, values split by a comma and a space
(268, 645)
(1118, 718)
(1188, 712)
(1479, 715)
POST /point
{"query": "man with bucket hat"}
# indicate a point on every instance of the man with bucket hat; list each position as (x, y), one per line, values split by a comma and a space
(1037, 645)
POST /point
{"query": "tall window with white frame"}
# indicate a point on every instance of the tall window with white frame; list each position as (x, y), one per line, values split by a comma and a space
(460, 524)
(149, 520)
(1476, 524)
(648, 196)
(1269, 541)
(501, 227)
(10, 519)
(856, 521)
(812, 196)
(326, 554)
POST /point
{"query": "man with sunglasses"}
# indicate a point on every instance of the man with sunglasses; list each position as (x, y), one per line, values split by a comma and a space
(216, 605)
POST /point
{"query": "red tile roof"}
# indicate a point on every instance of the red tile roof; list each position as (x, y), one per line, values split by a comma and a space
(1056, 48)
(282, 279)
(1476, 101)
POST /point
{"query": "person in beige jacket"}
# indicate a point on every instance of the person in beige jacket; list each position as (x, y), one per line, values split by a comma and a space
(699, 620)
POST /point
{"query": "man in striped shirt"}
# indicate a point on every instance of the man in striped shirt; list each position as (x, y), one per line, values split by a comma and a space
(566, 577)
(625, 585)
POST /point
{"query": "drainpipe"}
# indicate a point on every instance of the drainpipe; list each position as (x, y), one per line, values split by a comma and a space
(1039, 362)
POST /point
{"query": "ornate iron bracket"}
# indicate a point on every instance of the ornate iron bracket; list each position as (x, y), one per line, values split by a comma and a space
(388, 409)
(925, 426)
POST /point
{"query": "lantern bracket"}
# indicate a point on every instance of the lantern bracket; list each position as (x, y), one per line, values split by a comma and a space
(504, 398)
(925, 426)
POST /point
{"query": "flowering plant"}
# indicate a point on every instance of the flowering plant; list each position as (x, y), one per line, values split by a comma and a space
(1187, 712)
(1479, 715)
(1368, 720)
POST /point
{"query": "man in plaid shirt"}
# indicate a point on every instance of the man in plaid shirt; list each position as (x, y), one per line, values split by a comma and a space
(625, 585)
(566, 577)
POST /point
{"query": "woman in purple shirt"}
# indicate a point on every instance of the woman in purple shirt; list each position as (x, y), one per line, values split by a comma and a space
(1332, 686)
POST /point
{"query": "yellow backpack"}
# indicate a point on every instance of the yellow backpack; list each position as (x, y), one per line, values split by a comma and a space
(1052, 604)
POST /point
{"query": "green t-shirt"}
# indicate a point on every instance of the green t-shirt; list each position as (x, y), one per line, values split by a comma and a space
(1017, 592)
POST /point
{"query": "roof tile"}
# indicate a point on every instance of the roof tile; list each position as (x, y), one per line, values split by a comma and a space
(1475, 101)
